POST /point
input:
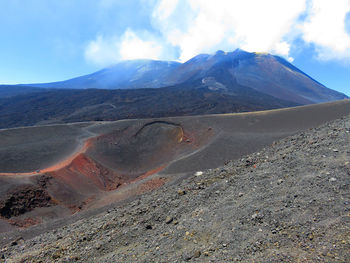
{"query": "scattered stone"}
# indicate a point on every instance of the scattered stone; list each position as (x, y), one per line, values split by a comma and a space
(187, 257)
(199, 173)
(181, 192)
(17, 241)
(258, 217)
(264, 226)
(56, 255)
(168, 219)
(98, 246)
(197, 254)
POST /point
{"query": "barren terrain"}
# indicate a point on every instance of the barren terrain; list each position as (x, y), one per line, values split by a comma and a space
(288, 202)
(51, 172)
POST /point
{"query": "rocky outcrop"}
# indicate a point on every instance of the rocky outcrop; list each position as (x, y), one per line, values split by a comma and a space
(24, 199)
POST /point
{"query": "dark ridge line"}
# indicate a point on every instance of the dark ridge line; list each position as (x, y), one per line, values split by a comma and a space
(155, 122)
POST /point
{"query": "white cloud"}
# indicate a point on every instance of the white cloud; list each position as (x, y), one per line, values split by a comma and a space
(133, 47)
(165, 9)
(185, 28)
(105, 51)
(325, 28)
(253, 25)
(102, 51)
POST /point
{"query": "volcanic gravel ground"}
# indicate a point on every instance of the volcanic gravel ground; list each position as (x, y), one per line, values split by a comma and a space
(289, 202)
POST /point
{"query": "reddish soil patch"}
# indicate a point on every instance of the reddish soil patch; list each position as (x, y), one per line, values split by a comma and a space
(26, 222)
(103, 178)
(78, 184)
(152, 184)
(82, 178)
(58, 165)
(147, 174)
(68, 160)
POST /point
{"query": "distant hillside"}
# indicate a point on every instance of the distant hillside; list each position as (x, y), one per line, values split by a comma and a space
(14, 90)
(130, 74)
(224, 82)
(263, 72)
(58, 106)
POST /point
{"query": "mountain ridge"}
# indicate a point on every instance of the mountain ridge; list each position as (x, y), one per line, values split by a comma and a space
(224, 82)
(266, 73)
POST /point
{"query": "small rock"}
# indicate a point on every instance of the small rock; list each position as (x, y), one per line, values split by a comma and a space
(257, 216)
(149, 227)
(181, 192)
(187, 257)
(332, 179)
(335, 150)
(240, 194)
(279, 181)
(56, 256)
(197, 254)
(199, 173)
(168, 219)
(17, 241)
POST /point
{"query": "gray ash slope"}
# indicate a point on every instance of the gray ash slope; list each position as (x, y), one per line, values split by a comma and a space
(224, 82)
(222, 71)
(289, 202)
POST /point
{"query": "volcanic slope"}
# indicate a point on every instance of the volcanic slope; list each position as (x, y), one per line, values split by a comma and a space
(50, 172)
(224, 82)
(288, 202)
(222, 71)
(66, 106)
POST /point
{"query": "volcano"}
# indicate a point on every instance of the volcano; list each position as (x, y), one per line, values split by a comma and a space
(225, 71)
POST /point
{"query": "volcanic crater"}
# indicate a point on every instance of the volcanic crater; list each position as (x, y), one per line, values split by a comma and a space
(108, 162)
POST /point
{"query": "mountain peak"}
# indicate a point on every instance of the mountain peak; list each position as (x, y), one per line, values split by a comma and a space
(239, 50)
(220, 52)
(261, 71)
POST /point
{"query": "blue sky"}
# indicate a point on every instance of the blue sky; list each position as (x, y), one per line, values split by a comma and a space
(51, 40)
